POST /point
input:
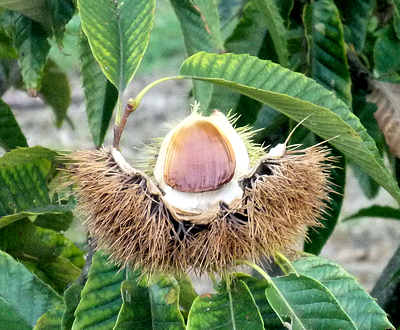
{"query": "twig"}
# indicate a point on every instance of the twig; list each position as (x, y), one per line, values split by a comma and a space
(118, 129)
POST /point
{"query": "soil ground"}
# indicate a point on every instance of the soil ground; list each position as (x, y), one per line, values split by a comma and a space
(362, 247)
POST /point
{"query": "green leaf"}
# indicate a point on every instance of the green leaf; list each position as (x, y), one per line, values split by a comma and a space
(356, 14)
(229, 12)
(369, 187)
(22, 238)
(7, 50)
(35, 9)
(187, 293)
(365, 112)
(118, 45)
(24, 174)
(270, 125)
(24, 293)
(296, 96)
(317, 237)
(197, 36)
(9, 316)
(307, 303)
(376, 211)
(33, 48)
(30, 212)
(72, 296)
(347, 291)
(396, 17)
(230, 308)
(135, 312)
(164, 300)
(61, 272)
(100, 95)
(152, 307)
(51, 14)
(247, 37)
(11, 135)
(208, 10)
(53, 255)
(276, 28)
(387, 61)
(55, 91)
(57, 222)
(285, 8)
(101, 297)
(387, 286)
(33, 268)
(257, 288)
(328, 53)
(51, 320)
(196, 32)
(61, 11)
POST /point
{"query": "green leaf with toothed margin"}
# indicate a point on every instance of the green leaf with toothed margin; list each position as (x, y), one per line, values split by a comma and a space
(208, 10)
(356, 14)
(101, 297)
(247, 38)
(53, 15)
(118, 32)
(33, 48)
(396, 17)
(23, 292)
(355, 301)
(53, 257)
(329, 68)
(149, 305)
(194, 24)
(296, 96)
(55, 91)
(34, 9)
(11, 135)
(72, 296)
(276, 28)
(328, 52)
(164, 300)
(24, 177)
(307, 303)
(257, 289)
(51, 320)
(187, 293)
(100, 95)
(9, 316)
(195, 18)
(232, 307)
(135, 312)
(386, 59)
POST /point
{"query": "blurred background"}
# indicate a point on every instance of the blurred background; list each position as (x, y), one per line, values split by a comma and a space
(361, 246)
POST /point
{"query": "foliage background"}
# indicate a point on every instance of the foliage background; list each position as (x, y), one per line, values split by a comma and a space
(358, 245)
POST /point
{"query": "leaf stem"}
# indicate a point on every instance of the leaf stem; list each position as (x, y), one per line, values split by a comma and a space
(131, 106)
(139, 97)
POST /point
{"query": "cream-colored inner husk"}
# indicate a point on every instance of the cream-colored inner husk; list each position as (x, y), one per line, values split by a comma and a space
(203, 201)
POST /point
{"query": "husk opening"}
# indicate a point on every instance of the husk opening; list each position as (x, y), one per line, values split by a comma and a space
(127, 216)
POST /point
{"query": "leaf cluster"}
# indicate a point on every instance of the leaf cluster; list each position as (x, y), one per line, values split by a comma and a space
(271, 62)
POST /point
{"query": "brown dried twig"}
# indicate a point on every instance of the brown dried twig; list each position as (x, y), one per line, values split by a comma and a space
(118, 129)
